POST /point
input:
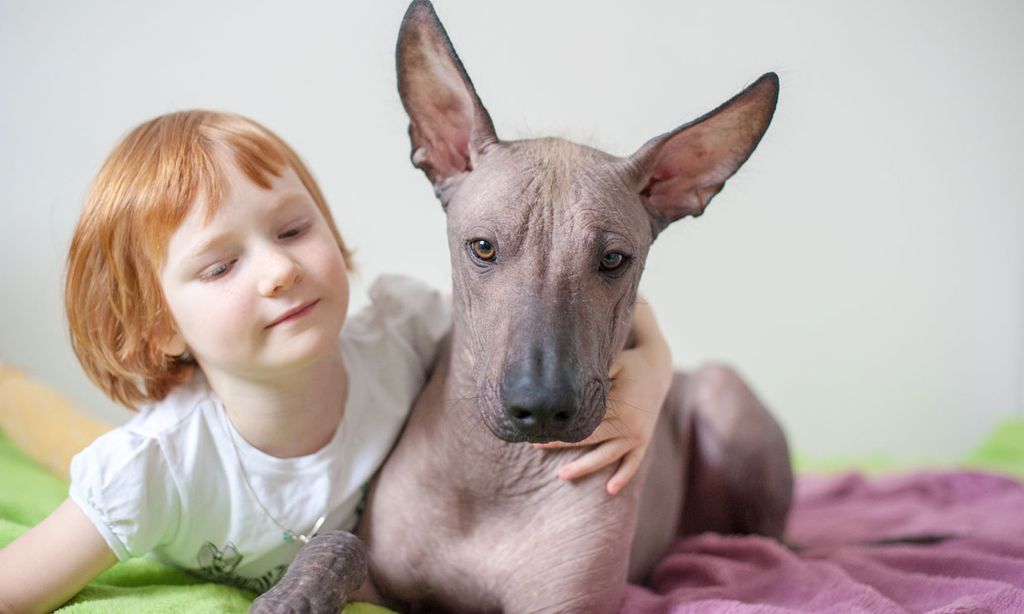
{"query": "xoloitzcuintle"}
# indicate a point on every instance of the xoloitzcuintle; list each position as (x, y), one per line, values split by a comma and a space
(548, 240)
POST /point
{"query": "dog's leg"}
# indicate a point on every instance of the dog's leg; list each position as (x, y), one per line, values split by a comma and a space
(721, 465)
(739, 478)
(326, 571)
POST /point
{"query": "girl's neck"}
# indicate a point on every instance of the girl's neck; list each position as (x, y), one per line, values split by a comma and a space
(291, 415)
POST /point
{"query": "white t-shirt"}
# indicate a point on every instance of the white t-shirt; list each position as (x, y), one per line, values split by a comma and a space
(169, 481)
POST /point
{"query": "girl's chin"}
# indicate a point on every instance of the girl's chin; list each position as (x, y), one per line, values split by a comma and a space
(301, 351)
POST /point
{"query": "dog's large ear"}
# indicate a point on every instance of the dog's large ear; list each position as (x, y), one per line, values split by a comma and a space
(448, 125)
(679, 172)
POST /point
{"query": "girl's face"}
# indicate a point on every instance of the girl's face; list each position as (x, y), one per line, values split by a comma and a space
(261, 289)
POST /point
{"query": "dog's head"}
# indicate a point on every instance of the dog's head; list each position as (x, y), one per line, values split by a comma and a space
(548, 238)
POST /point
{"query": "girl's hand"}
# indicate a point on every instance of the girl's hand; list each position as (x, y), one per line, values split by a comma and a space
(641, 378)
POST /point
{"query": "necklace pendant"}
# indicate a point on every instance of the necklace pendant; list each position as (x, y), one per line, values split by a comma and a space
(291, 536)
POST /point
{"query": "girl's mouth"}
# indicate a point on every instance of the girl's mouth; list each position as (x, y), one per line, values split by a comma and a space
(294, 314)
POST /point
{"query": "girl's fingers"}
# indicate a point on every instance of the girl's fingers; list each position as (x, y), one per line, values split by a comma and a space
(604, 431)
(630, 465)
(601, 456)
(554, 445)
(617, 367)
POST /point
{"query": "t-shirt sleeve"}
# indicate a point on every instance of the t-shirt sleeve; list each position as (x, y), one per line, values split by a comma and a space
(124, 485)
(419, 316)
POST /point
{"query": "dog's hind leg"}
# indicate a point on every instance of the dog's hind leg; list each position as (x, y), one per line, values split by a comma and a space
(739, 476)
(718, 462)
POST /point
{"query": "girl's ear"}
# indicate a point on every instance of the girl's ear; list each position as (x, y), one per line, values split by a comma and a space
(176, 346)
(168, 340)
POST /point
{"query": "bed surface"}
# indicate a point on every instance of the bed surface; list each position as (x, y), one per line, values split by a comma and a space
(896, 540)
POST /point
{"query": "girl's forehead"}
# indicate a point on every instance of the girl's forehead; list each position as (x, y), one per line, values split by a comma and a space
(243, 205)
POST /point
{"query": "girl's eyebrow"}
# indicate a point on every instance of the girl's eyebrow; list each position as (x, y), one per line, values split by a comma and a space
(211, 243)
(289, 198)
(207, 245)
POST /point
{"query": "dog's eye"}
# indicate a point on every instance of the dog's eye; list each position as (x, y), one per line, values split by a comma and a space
(612, 261)
(483, 249)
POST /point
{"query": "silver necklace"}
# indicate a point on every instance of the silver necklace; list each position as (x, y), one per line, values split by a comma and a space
(288, 535)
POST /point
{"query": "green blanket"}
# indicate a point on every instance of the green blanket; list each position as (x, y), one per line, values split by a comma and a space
(29, 493)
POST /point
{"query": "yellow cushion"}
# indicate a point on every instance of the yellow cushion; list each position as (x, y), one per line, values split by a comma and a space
(42, 422)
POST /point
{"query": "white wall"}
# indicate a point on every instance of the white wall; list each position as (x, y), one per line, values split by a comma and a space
(865, 270)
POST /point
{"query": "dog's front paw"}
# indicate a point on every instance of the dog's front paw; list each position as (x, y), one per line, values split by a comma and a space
(326, 571)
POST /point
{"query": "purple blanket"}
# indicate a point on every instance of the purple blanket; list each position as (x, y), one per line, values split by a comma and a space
(844, 562)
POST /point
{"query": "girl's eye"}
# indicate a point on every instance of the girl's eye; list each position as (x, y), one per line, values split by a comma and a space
(291, 233)
(612, 261)
(217, 270)
(483, 249)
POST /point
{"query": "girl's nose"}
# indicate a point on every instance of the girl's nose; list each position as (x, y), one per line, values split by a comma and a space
(280, 273)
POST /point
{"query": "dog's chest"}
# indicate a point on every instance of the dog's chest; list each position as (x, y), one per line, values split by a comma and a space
(425, 552)
(459, 553)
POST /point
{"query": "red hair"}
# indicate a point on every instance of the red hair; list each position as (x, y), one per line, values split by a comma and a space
(146, 187)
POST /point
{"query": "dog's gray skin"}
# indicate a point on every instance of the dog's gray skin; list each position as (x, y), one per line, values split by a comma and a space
(467, 516)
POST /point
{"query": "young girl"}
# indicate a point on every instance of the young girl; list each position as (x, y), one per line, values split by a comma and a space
(207, 284)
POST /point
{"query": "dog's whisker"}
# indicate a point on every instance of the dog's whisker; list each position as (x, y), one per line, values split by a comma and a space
(647, 410)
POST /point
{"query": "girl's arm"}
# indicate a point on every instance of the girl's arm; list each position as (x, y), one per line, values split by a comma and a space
(51, 562)
(642, 375)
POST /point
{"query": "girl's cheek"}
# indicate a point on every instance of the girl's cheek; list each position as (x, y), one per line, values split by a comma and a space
(329, 260)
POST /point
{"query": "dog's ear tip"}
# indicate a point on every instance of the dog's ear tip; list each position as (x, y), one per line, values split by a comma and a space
(418, 12)
(763, 92)
(769, 82)
(420, 9)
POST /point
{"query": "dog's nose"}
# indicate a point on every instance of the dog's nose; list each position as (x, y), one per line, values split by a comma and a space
(539, 399)
(536, 411)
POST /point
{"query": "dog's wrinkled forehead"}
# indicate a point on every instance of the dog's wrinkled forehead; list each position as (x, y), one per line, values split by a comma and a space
(551, 186)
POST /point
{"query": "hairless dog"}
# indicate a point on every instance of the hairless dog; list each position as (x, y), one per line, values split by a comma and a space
(548, 239)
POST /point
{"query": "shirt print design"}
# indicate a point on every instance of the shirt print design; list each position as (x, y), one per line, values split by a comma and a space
(219, 566)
